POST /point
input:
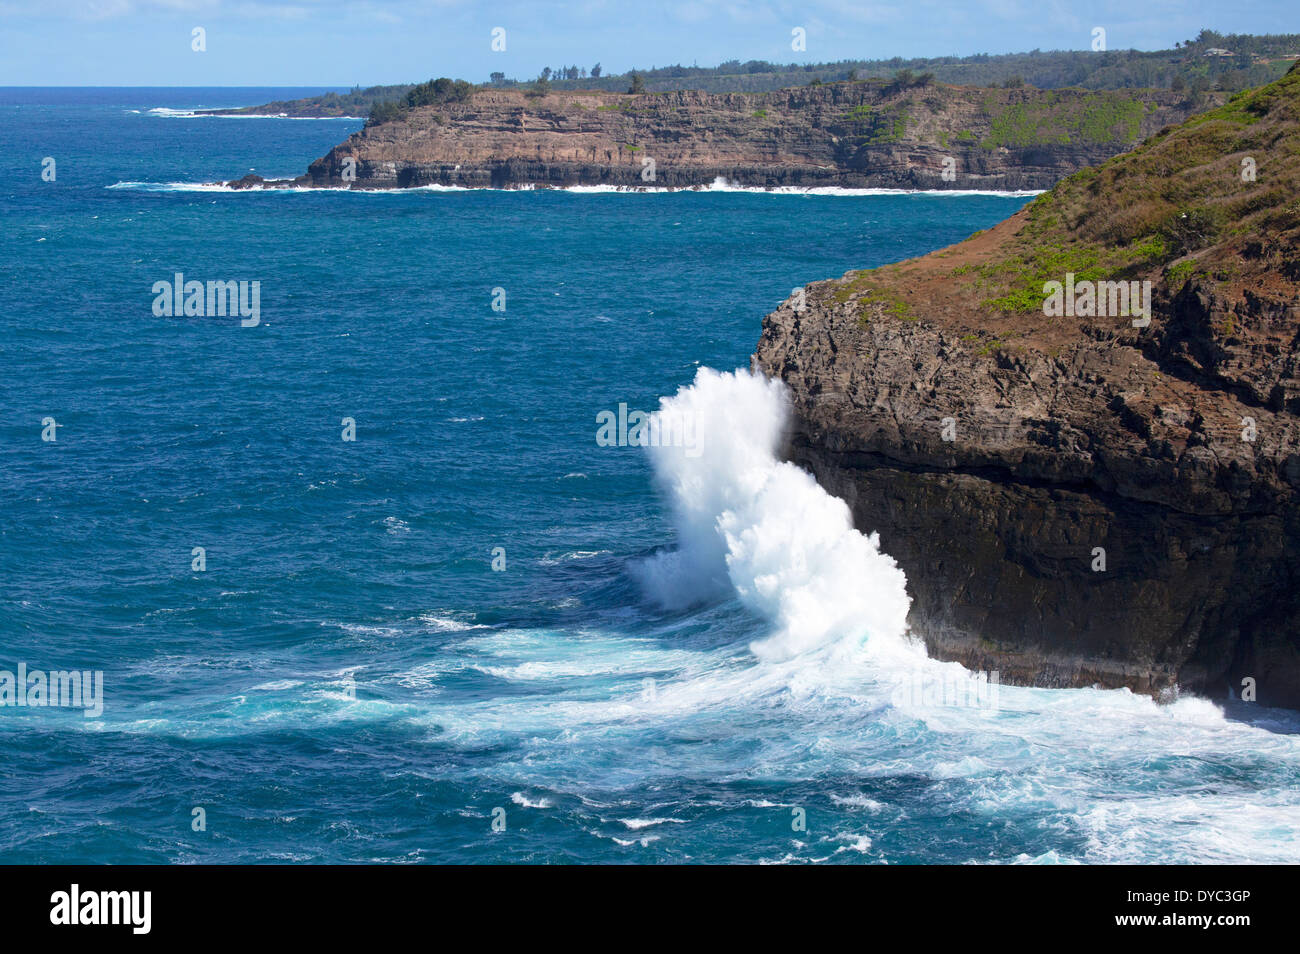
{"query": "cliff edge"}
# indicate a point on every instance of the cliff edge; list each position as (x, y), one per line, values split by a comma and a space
(1087, 491)
(849, 134)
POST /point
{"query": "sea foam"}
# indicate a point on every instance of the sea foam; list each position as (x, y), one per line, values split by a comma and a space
(749, 521)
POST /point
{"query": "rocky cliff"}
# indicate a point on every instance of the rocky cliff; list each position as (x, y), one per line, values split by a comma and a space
(1086, 497)
(859, 134)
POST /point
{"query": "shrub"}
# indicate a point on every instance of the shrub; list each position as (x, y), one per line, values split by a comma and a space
(441, 90)
(384, 112)
(1194, 228)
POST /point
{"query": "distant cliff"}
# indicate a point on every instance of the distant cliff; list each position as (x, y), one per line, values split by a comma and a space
(1088, 497)
(356, 103)
(850, 134)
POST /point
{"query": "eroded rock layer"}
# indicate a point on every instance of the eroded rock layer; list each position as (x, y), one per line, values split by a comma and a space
(1086, 499)
(862, 134)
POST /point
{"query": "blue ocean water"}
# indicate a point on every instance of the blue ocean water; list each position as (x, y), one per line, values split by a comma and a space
(350, 679)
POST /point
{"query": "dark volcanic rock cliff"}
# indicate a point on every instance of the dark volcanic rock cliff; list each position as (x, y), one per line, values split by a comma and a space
(862, 134)
(1077, 500)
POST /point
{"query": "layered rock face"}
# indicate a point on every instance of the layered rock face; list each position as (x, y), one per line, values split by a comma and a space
(842, 134)
(1076, 500)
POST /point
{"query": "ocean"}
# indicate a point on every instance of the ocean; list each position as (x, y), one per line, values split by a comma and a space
(377, 571)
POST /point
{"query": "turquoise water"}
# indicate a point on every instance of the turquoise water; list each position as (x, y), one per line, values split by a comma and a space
(652, 674)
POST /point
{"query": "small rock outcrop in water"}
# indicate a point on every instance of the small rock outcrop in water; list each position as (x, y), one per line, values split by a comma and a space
(250, 181)
(861, 134)
(1076, 500)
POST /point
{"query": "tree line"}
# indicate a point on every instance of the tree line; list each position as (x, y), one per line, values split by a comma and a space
(1210, 60)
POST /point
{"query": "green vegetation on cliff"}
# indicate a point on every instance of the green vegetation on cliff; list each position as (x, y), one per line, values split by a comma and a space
(872, 126)
(1227, 173)
(436, 92)
(1192, 67)
(1213, 201)
(1095, 118)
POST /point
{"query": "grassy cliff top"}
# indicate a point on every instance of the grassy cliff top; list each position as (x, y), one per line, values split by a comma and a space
(1215, 199)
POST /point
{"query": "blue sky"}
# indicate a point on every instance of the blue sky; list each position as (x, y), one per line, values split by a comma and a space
(341, 42)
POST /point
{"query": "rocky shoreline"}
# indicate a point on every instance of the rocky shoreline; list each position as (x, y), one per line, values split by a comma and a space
(845, 135)
(1085, 500)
